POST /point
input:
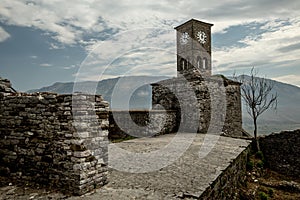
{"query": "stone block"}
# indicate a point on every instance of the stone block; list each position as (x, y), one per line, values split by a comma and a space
(81, 154)
(82, 135)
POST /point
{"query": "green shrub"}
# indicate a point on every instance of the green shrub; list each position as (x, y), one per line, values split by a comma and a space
(271, 192)
(260, 164)
(259, 155)
(263, 196)
(249, 165)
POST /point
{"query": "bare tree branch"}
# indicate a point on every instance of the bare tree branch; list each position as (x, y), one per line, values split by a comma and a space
(257, 95)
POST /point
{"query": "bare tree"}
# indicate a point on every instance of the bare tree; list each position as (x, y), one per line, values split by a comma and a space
(258, 96)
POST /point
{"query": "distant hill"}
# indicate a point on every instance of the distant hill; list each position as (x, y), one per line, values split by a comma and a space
(286, 117)
(140, 99)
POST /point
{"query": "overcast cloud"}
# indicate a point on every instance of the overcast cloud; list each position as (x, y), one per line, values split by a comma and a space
(68, 21)
(85, 23)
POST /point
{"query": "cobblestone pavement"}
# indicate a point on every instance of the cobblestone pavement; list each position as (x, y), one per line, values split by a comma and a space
(186, 178)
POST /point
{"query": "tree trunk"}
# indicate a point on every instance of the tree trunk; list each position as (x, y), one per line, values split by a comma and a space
(255, 135)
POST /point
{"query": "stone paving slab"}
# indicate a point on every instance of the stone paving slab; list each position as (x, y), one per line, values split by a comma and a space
(187, 177)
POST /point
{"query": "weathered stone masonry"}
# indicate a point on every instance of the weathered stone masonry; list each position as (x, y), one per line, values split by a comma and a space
(230, 180)
(46, 139)
(147, 123)
(281, 151)
(229, 119)
(199, 112)
(5, 86)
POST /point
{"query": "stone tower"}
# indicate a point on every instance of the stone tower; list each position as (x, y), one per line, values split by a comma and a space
(203, 102)
(194, 48)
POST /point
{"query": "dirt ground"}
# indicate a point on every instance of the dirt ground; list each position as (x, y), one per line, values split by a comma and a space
(265, 184)
(12, 189)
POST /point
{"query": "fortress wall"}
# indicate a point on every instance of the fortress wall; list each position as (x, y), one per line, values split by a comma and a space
(212, 94)
(141, 123)
(281, 151)
(226, 185)
(54, 139)
(233, 120)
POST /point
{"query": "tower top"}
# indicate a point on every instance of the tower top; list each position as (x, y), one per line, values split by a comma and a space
(194, 48)
(192, 21)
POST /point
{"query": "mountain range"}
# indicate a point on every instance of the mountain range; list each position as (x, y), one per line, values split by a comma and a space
(136, 91)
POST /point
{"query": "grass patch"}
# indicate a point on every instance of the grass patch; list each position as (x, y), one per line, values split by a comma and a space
(259, 155)
(263, 196)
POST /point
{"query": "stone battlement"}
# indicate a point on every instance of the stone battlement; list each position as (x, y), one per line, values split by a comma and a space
(56, 140)
(281, 151)
(5, 86)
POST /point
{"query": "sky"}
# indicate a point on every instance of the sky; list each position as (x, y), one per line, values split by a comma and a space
(43, 42)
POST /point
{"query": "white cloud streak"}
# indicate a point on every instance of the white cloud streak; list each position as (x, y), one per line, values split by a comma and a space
(33, 57)
(3, 35)
(46, 65)
(292, 79)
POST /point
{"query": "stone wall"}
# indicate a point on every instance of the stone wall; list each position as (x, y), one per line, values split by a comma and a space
(141, 123)
(214, 102)
(230, 180)
(55, 139)
(5, 86)
(281, 151)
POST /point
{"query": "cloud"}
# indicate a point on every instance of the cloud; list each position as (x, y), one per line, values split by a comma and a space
(54, 46)
(33, 57)
(70, 67)
(46, 65)
(65, 21)
(277, 45)
(292, 79)
(289, 48)
(71, 22)
(3, 35)
(137, 52)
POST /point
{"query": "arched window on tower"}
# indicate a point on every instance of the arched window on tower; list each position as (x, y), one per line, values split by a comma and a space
(205, 63)
(188, 65)
(199, 64)
(183, 64)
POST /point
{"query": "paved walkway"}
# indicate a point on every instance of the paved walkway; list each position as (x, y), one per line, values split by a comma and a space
(187, 177)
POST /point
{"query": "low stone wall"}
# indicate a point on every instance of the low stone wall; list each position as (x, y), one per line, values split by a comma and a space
(55, 139)
(6, 86)
(281, 151)
(230, 180)
(141, 123)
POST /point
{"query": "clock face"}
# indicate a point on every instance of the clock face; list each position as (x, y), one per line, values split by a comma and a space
(184, 38)
(202, 37)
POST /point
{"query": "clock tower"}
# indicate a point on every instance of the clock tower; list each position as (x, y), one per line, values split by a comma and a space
(194, 48)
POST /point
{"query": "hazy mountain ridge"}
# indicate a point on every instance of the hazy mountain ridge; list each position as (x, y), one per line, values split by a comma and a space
(140, 99)
(287, 115)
